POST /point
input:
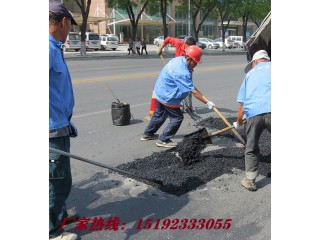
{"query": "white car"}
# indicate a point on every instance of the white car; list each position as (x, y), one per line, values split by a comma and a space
(237, 41)
(108, 42)
(73, 42)
(158, 41)
(226, 43)
(209, 43)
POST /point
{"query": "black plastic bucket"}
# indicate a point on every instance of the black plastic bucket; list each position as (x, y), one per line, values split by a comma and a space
(120, 113)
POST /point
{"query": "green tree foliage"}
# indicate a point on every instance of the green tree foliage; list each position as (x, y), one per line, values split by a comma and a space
(204, 8)
(160, 6)
(225, 10)
(130, 7)
(244, 9)
(260, 11)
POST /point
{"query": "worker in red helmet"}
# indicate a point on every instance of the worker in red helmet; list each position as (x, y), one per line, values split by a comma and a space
(173, 84)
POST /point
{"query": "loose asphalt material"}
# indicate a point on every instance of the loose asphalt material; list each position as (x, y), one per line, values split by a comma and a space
(181, 173)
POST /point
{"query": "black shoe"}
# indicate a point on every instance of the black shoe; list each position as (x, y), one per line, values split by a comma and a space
(72, 216)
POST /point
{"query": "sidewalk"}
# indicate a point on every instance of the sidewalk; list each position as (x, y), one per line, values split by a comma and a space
(122, 51)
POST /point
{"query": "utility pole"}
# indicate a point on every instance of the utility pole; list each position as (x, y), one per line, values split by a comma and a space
(189, 32)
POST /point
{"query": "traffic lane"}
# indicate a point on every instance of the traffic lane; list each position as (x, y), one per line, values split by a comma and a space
(109, 67)
(92, 94)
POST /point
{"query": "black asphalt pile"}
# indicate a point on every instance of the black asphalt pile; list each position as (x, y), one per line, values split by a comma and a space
(190, 147)
(179, 178)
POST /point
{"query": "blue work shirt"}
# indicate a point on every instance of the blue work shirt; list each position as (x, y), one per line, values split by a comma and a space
(61, 100)
(255, 91)
(174, 82)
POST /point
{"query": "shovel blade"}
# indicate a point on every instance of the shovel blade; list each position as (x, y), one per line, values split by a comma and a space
(203, 133)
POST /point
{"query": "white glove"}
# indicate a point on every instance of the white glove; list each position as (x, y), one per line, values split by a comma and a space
(210, 105)
(237, 126)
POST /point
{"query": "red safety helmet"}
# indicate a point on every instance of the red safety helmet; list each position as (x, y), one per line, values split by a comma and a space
(195, 53)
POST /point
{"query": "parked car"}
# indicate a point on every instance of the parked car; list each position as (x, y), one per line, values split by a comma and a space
(236, 40)
(227, 44)
(93, 41)
(209, 43)
(108, 42)
(73, 42)
(199, 44)
(112, 35)
(158, 41)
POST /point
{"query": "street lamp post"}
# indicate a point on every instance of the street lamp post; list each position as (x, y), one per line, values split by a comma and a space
(189, 33)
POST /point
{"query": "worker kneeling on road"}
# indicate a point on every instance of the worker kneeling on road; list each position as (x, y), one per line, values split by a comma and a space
(255, 102)
(173, 85)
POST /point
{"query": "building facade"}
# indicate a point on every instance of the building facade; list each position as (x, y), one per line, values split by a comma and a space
(105, 20)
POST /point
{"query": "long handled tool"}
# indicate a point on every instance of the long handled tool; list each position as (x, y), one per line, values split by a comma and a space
(226, 122)
(105, 166)
(188, 109)
(203, 133)
(222, 130)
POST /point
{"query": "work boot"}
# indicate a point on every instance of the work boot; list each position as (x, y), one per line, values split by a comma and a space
(72, 216)
(168, 144)
(66, 236)
(249, 184)
(149, 137)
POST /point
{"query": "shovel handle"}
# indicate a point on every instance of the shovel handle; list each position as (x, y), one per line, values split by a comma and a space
(104, 166)
(222, 130)
(225, 121)
(164, 62)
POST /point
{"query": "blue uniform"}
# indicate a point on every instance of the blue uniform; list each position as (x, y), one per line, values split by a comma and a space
(174, 82)
(255, 95)
(61, 100)
(61, 104)
(255, 91)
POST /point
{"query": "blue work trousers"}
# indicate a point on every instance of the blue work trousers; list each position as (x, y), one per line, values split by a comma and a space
(60, 182)
(159, 116)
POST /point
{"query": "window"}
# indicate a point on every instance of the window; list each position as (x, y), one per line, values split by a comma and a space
(74, 37)
(93, 37)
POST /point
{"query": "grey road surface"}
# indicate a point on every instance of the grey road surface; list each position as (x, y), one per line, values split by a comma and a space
(100, 194)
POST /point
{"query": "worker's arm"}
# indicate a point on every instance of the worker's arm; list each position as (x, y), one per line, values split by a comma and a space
(199, 96)
(168, 40)
(240, 115)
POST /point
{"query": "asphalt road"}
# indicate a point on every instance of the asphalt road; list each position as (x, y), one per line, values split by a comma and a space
(98, 193)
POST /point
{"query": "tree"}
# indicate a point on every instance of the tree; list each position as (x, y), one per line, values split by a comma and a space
(129, 6)
(85, 8)
(260, 11)
(160, 6)
(224, 9)
(202, 7)
(244, 9)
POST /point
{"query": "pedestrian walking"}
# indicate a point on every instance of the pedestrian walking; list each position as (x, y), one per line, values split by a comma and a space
(173, 84)
(144, 46)
(131, 47)
(61, 103)
(138, 45)
(255, 103)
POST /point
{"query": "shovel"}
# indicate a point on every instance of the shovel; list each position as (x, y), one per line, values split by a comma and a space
(159, 182)
(203, 133)
(226, 121)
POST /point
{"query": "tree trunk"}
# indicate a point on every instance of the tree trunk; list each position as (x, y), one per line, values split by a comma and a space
(83, 36)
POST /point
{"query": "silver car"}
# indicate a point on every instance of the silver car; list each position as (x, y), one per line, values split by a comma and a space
(158, 41)
(209, 43)
(108, 42)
